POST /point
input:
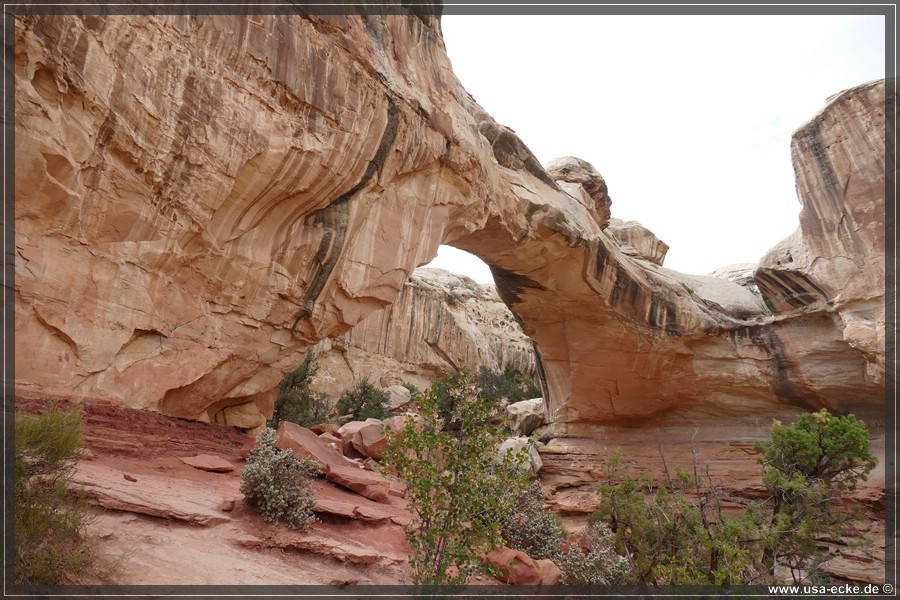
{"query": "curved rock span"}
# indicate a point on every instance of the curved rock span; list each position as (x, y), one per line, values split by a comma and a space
(200, 200)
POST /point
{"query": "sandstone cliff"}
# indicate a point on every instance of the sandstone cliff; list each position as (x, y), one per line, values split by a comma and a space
(200, 200)
(439, 322)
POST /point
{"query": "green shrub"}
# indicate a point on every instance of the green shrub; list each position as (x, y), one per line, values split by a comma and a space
(50, 520)
(592, 559)
(458, 490)
(279, 484)
(509, 384)
(805, 466)
(533, 529)
(677, 532)
(364, 401)
(296, 402)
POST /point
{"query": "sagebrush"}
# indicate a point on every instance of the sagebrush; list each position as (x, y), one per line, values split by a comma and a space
(50, 519)
(278, 484)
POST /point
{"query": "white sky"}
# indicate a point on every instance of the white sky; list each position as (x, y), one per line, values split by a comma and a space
(688, 118)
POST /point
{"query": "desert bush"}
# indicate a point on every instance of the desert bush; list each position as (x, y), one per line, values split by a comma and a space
(508, 383)
(533, 529)
(365, 401)
(50, 520)
(278, 484)
(677, 532)
(458, 490)
(592, 559)
(805, 467)
(296, 401)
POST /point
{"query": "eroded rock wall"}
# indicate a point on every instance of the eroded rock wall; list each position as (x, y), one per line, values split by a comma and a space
(200, 200)
(438, 323)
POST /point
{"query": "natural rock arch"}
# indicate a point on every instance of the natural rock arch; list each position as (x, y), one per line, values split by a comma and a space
(187, 229)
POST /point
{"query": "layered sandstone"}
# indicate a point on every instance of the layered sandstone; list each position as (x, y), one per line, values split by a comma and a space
(200, 200)
(439, 322)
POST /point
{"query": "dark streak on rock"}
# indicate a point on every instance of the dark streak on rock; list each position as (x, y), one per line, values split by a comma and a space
(510, 287)
(511, 152)
(785, 378)
(625, 288)
(788, 285)
(335, 218)
(663, 315)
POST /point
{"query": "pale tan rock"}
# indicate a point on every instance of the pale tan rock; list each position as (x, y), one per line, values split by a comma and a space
(637, 241)
(366, 437)
(207, 462)
(525, 416)
(186, 230)
(399, 397)
(440, 321)
(519, 444)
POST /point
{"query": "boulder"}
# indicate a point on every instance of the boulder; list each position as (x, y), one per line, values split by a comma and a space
(516, 567)
(366, 437)
(525, 416)
(365, 483)
(307, 445)
(333, 440)
(399, 397)
(551, 574)
(517, 444)
(207, 462)
(320, 428)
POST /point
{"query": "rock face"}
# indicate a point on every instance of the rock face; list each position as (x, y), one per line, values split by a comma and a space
(440, 321)
(187, 229)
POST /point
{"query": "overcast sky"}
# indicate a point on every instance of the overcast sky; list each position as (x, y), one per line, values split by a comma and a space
(688, 118)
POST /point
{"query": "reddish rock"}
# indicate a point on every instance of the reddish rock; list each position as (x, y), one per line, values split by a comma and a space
(550, 573)
(305, 444)
(365, 483)
(207, 462)
(516, 567)
(321, 428)
(366, 437)
(332, 440)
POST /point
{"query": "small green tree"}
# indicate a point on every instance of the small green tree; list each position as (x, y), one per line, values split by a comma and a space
(296, 401)
(50, 520)
(676, 532)
(805, 467)
(509, 384)
(365, 401)
(460, 491)
(279, 484)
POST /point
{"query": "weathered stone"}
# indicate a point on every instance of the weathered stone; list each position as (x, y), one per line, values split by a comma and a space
(333, 440)
(305, 444)
(637, 241)
(518, 444)
(206, 462)
(182, 245)
(365, 483)
(439, 322)
(550, 573)
(399, 397)
(525, 416)
(516, 567)
(148, 495)
(570, 169)
(366, 437)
